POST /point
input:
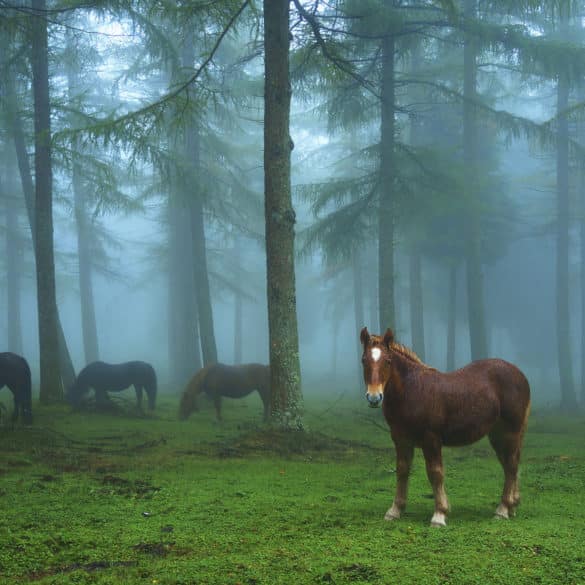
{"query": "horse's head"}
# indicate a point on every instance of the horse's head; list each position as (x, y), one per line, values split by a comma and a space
(376, 363)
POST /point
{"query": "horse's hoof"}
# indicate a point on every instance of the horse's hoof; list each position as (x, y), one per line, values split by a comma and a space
(502, 513)
(438, 519)
(501, 516)
(392, 514)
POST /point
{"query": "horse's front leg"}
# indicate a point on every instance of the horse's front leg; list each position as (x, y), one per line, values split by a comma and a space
(404, 455)
(434, 464)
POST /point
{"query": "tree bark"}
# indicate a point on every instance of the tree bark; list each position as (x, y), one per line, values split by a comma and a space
(387, 177)
(50, 376)
(475, 303)
(285, 372)
(568, 398)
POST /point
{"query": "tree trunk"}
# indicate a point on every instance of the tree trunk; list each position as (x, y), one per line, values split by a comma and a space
(13, 261)
(416, 305)
(582, 259)
(184, 353)
(358, 307)
(387, 177)
(285, 371)
(50, 376)
(568, 399)
(452, 317)
(475, 304)
(238, 317)
(28, 188)
(88, 321)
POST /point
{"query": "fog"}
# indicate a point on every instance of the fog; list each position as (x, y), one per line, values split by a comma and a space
(129, 176)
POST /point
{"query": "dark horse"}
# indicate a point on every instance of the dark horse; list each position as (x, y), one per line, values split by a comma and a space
(428, 409)
(15, 374)
(219, 380)
(104, 378)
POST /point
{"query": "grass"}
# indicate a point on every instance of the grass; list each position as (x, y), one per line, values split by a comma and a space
(117, 498)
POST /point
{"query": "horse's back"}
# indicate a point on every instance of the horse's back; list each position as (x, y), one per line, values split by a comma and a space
(14, 371)
(116, 377)
(236, 381)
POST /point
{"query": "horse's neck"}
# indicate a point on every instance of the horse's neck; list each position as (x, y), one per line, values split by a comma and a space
(403, 364)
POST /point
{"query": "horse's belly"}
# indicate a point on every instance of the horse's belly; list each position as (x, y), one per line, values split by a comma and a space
(464, 434)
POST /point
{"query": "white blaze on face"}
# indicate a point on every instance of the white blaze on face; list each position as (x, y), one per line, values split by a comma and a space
(376, 353)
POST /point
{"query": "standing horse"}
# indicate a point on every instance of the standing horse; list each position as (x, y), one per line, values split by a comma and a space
(104, 378)
(219, 380)
(428, 409)
(15, 374)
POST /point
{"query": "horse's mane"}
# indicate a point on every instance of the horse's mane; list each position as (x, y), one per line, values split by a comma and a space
(408, 354)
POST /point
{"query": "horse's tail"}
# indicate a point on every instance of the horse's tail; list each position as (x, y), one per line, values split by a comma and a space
(151, 388)
(189, 397)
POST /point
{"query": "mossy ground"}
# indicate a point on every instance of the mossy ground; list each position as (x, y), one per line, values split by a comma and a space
(120, 499)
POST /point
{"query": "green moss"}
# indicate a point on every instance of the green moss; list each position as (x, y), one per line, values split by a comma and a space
(94, 498)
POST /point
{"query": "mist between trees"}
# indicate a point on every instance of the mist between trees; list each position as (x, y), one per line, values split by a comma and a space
(160, 200)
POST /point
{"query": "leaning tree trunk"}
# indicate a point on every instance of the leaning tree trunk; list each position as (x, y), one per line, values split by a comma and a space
(568, 399)
(386, 188)
(50, 375)
(285, 371)
(28, 188)
(475, 304)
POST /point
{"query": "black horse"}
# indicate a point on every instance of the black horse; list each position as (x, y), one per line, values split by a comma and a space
(104, 378)
(15, 374)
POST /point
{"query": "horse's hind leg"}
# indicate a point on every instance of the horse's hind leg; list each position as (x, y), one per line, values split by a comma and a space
(217, 404)
(138, 389)
(404, 455)
(507, 444)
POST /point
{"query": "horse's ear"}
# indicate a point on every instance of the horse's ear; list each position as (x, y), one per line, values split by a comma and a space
(388, 337)
(364, 336)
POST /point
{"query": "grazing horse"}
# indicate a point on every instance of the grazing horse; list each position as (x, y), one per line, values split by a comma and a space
(15, 374)
(104, 378)
(428, 409)
(217, 380)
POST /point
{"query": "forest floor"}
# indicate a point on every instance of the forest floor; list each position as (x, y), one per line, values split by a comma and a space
(121, 498)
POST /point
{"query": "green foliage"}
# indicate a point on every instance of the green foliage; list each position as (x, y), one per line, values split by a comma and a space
(108, 499)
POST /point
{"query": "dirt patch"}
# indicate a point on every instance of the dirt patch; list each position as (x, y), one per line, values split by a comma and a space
(88, 567)
(121, 486)
(156, 549)
(305, 444)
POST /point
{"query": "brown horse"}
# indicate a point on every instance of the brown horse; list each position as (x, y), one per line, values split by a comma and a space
(219, 380)
(428, 409)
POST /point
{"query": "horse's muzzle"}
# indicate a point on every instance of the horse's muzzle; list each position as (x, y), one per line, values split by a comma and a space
(374, 400)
